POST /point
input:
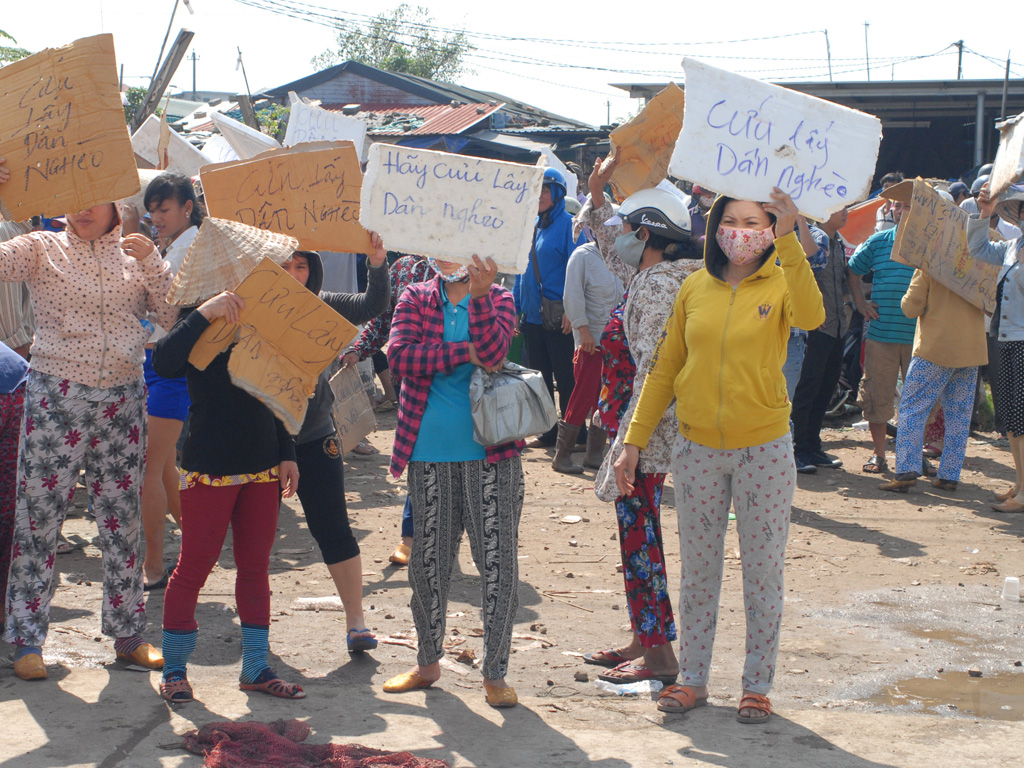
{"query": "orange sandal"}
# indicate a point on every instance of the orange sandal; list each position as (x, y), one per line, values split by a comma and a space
(176, 689)
(275, 686)
(754, 701)
(684, 697)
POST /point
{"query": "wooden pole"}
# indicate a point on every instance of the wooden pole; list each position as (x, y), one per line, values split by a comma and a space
(163, 78)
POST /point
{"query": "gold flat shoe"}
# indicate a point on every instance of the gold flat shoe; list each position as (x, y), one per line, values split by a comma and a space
(1006, 495)
(501, 697)
(30, 667)
(401, 555)
(1010, 506)
(407, 681)
(145, 656)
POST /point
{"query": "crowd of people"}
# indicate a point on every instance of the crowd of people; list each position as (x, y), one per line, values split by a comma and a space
(694, 333)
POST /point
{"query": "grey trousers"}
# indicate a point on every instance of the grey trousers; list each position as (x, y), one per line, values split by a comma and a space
(487, 501)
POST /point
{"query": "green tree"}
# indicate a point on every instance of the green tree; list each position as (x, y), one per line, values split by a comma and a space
(134, 96)
(10, 53)
(402, 40)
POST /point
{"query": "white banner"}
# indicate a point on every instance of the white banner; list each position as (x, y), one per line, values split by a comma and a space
(742, 137)
(308, 123)
(180, 157)
(451, 206)
(247, 142)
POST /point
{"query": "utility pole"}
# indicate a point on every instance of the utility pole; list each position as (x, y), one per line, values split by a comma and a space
(867, 59)
(960, 60)
(609, 105)
(194, 58)
(828, 52)
(163, 77)
(1006, 85)
(245, 102)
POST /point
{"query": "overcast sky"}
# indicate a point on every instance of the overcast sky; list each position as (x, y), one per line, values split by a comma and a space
(570, 73)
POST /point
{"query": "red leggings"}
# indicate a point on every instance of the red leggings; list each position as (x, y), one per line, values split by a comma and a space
(586, 368)
(206, 511)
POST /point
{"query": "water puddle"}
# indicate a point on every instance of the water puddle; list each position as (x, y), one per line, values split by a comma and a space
(951, 636)
(996, 696)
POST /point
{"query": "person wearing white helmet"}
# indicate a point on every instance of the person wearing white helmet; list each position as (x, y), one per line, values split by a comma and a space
(1007, 326)
(720, 359)
(649, 243)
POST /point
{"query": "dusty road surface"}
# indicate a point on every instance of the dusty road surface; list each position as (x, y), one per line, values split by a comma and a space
(896, 649)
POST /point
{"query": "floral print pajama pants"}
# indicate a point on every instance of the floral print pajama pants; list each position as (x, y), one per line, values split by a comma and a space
(643, 560)
(759, 482)
(70, 427)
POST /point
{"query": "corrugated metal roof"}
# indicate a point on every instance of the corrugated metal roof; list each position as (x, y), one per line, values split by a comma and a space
(433, 119)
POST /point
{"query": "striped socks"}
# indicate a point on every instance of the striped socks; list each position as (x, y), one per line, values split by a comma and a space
(127, 645)
(255, 647)
(178, 645)
(25, 650)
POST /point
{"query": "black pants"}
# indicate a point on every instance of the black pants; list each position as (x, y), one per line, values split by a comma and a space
(322, 494)
(823, 362)
(551, 352)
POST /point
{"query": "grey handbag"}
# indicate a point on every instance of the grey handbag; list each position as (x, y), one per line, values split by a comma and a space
(510, 404)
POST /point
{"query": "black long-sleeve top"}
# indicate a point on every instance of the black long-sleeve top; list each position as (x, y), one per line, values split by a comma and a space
(230, 431)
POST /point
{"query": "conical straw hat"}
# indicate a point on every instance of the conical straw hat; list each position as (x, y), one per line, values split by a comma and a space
(221, 256)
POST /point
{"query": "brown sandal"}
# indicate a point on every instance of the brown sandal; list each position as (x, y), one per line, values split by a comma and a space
(176, 690)
(754, 701)
(275, 686)
(684, 697)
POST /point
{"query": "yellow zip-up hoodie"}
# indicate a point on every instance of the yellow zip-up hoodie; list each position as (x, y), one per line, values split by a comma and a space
(722, 350)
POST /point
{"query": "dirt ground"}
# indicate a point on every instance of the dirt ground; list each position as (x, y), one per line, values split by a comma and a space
(891, 600)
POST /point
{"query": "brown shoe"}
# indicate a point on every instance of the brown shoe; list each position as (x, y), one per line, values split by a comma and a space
(144, 656)
(945, 485)
(30, 667)
(900, 484)
(401, 555)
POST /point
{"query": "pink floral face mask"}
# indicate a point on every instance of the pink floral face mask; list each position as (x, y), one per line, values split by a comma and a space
(742, 246)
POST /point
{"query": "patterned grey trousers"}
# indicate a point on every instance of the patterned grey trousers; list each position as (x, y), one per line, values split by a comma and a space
(487, 501)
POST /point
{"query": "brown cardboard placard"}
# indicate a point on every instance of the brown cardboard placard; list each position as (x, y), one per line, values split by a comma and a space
(310, 193)
(63, 132)
(644, 145)
(352, 410)
(932, 236)
(1008, 167)
(286, 337)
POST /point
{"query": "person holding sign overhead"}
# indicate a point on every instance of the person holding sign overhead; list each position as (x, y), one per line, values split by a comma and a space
(85, 408)
(538, 294)
(318, 448)
(440, 331)
(720, 357)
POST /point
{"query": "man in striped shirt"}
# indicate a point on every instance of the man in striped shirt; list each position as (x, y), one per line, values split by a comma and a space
(890, 336)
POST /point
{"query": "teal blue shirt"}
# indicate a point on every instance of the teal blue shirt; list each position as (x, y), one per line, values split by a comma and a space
(890, 280)
(446, 432)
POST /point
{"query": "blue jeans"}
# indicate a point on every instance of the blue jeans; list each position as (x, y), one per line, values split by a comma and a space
(407, 519)
(794, 363)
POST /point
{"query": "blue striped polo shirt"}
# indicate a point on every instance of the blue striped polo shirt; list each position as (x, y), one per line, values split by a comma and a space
(890, 280)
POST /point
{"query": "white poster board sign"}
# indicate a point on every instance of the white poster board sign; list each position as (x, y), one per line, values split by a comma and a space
(309, 123)
(247, 142)
(181, 157)
(549, 159)
(742, 137)
(451, 206)
(1009, 163)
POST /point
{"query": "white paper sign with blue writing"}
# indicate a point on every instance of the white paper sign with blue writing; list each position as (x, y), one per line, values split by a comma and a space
(451, 206)
(310, 123)
(742, 137)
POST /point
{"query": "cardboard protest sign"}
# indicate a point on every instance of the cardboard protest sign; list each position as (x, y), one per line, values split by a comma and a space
(247, 142)
(451, 206)
(1008, 167)
(309, 193)
(644, 145)
(177, 154)
(932, 236)
(62, 131)
(285, 338)
(311, 123)
(742, 137)
(353, 413)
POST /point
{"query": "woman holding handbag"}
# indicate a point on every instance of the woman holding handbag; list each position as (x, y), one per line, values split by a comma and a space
(441, 330)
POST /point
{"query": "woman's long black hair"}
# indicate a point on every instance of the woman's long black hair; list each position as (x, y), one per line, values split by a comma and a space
(178, 187)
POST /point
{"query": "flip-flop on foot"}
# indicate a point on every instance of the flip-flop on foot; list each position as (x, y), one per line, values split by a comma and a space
(684, 697)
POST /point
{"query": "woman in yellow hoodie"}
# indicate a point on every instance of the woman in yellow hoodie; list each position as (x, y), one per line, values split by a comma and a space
(721, 357)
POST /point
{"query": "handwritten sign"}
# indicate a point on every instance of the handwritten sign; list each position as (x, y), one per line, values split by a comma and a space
(311, 194)
(353, 413)
(1009, 164)
(62, 131)
(286, 336)
(247, 142)
(932, 236)
(644, 145)
(741, 137)
(311, 123)
(451, 206)
(178, 155)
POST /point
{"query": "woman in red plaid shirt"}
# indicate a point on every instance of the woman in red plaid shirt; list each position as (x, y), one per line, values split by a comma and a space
(441, 329)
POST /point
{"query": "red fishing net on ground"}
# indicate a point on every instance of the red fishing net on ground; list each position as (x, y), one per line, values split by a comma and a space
(276, 745)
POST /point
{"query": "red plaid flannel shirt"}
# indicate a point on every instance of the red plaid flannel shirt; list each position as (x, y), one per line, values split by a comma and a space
(416, 351)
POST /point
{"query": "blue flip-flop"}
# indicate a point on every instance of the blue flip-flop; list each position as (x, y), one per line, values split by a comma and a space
(360, 644)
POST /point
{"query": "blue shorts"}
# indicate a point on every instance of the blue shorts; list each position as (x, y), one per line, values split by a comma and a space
(168, 398)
